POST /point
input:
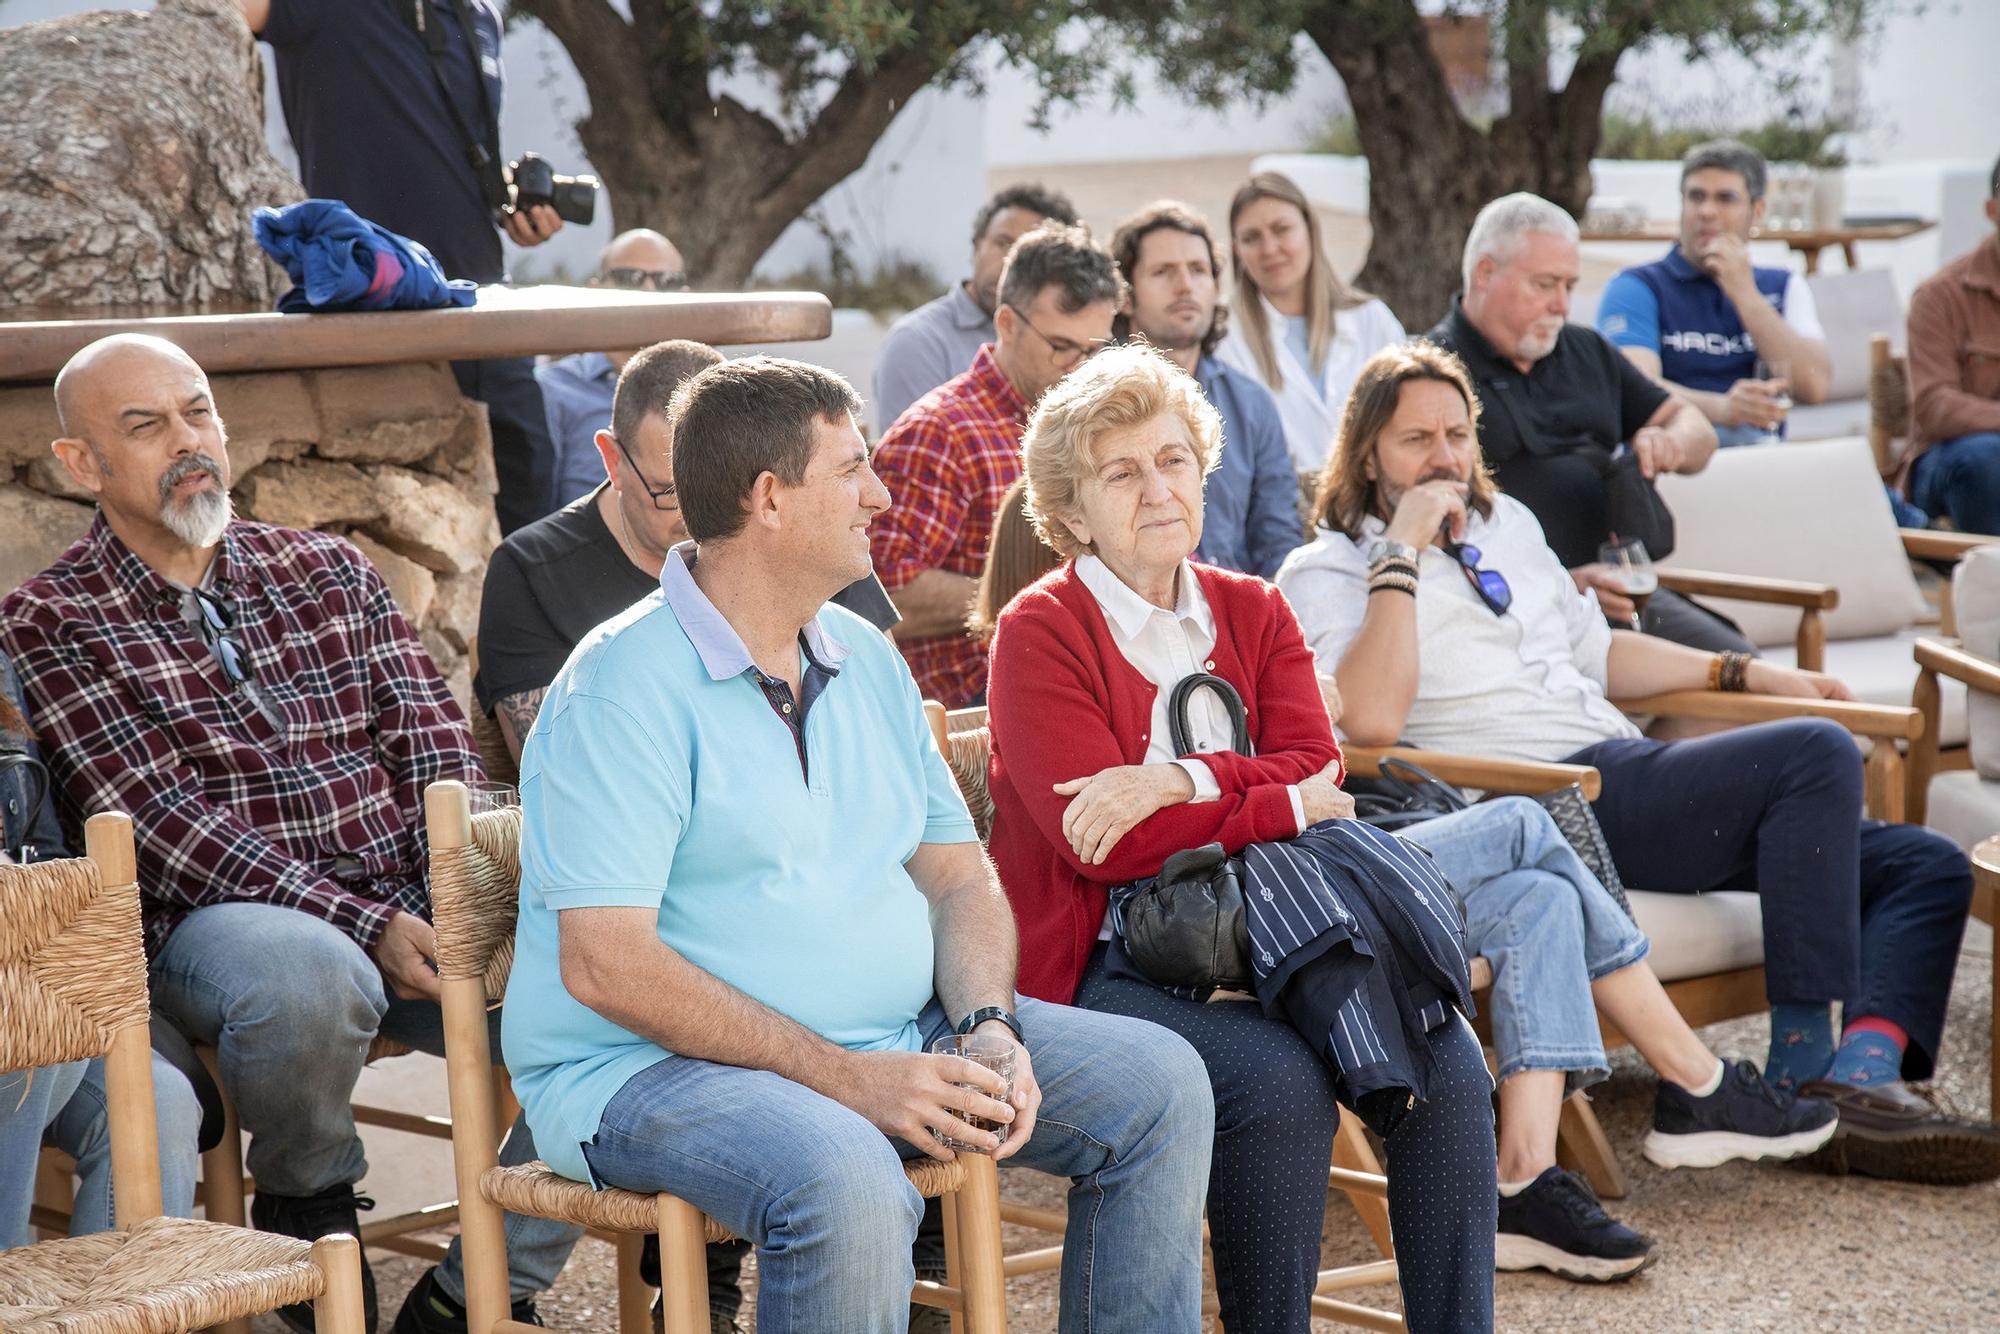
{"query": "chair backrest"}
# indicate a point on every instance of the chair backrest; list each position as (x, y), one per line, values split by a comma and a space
(1975, 595)
(968, 747)
(1854, 306)
(1814, 512)
(73, 987)
(475, 886)
(1888, 402)
(487, 738)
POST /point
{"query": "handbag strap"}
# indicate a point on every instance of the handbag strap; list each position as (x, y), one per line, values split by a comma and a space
(1184, 691)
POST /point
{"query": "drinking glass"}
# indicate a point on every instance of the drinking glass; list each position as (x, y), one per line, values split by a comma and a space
(1775, 370)
(485, 796)
(1632, 568)
(997, 1055)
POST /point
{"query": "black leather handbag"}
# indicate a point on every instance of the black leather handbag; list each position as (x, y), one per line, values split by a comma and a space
(1187, 929)
(1633, 508)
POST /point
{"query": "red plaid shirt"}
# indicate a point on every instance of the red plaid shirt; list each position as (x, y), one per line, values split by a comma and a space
(324, 815)
(947, 461)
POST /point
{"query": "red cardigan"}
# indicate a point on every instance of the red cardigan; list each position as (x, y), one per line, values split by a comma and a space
(1064, 703)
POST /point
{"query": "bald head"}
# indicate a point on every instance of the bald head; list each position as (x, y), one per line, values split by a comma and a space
(641, 251)
(108, 370)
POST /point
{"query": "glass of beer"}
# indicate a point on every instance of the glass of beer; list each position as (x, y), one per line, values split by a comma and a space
(1632, 567)
(997, 1055)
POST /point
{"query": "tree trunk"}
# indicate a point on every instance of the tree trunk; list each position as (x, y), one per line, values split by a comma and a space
(1430, 170)
(722, 180)
(131, 158)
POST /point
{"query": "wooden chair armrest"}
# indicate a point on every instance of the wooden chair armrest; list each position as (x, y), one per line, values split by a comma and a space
(1514, 777)
(1932, 544)
(1894, 721)
(1947, 658)
(1751, 588)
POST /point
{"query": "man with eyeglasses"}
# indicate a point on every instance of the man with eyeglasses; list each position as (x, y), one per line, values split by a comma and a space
(254, 699)
(577, 389)
(1451, 624)
(950, 458)
(551, 583)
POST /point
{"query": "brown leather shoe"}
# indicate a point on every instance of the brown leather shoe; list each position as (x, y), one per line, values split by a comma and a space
(1896, 1133)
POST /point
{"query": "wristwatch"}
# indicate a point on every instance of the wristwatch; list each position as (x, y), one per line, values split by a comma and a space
(1385, 549)
(981, 1015)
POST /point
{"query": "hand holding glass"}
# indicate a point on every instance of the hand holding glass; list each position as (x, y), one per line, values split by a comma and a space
(997, 1055)
(1631, 566)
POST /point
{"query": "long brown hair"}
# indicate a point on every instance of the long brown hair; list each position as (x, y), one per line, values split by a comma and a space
(1016, 556)
(1326, 294)
(1346, 495)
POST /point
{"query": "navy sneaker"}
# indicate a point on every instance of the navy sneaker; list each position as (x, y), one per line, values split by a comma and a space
(1557, 1224)
(1746, 1117)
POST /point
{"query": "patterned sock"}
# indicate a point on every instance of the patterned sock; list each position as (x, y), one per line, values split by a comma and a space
(1871, 1053)
(1801, 1043)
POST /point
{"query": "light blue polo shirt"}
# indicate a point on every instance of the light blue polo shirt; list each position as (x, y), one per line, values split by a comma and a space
(657, 775)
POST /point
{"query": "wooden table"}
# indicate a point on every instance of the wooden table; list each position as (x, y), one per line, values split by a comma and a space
(1808, 242)
(1986, 907)
(506, 322)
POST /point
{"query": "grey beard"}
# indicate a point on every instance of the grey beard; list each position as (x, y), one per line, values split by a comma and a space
(199, 520)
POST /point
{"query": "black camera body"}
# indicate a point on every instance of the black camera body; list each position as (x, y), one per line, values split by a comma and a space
(574, 198)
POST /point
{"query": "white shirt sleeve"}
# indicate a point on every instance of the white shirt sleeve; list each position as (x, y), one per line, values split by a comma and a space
(1298, 805)
(1326, 582)
(1801, 312)
(1205, 786)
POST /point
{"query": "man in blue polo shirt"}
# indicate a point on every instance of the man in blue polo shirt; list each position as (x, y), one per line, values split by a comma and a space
(1250, 503)
(1738, 341)
(384, 128)
(751, 898)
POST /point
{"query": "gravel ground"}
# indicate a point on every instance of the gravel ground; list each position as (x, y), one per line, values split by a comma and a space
(1742, 1247)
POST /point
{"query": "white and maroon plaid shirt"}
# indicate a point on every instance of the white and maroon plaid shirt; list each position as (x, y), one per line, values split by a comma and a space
(324, 815)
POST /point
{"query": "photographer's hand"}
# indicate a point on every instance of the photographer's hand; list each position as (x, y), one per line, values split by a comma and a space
(532, 227)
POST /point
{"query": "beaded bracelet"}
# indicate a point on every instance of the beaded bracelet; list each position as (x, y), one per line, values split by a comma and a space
(1732, 672)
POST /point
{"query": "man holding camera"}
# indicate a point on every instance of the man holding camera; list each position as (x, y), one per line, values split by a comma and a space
(394, 107)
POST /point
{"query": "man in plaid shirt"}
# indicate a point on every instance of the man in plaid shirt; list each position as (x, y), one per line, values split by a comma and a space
(252, 697)
(949, 459)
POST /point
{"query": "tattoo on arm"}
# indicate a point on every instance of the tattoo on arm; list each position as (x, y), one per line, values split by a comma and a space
(516, 714)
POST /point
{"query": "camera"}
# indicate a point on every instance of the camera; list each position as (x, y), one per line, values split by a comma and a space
(574, 198)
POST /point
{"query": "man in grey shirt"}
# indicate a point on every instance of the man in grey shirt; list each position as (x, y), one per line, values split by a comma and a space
(938, 340)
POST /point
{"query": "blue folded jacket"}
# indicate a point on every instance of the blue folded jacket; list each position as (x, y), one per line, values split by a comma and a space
(341, 261)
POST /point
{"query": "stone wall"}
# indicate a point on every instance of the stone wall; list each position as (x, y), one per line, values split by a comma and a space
(390, 456)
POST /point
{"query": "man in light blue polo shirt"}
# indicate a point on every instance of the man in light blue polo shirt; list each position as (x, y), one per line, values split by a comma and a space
(751, 898)
(938, 340)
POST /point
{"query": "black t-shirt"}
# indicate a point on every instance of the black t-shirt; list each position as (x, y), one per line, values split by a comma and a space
(372, 127)
(554, 581)
(1550, 434)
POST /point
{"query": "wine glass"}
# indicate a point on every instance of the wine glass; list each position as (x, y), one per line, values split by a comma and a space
(1631, 568)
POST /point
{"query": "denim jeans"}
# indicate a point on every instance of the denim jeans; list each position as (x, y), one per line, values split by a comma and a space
(1545, 924)
(290, 1003)
(64, 1106)
(1960, 478)
(1126, 1115)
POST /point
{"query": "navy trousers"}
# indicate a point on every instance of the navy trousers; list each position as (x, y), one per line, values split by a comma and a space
(1275, 1114)
(524, 458)
(1857, 911)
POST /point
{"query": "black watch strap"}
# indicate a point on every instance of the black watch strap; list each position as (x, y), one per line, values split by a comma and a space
(1005, 1016)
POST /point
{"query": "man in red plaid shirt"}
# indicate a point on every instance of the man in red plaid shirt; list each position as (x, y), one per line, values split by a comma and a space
(952, 455)
(252, 697)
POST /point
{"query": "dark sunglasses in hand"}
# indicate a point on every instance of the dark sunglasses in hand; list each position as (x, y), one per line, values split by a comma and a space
(1491, 585)
(217, 620)
(639, 280)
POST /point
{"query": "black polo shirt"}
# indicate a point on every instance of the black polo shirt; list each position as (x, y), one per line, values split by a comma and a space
(1549, 434)
(371, 125)
(553, 582)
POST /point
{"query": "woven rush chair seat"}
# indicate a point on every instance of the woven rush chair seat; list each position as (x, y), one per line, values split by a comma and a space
(532, 1188)
(159, 1276)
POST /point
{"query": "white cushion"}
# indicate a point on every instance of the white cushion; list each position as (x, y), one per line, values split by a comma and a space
(1694, 935)
(1884, 671)
(1827, 421)
(1854, 305)
(1814, 512)
(1975, 598)
(1964, 807)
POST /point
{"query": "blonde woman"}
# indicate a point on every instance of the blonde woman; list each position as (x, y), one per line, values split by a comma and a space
(1298, 328)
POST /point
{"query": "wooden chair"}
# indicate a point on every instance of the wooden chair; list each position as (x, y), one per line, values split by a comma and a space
(475, 883)
(73, 987)
(966, 743)
(1888, 404)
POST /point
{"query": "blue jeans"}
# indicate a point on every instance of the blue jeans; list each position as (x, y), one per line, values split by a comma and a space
(290, 1003)
(1126, 1116)
(64, 1106)
(1960, 478)
(1545, 924)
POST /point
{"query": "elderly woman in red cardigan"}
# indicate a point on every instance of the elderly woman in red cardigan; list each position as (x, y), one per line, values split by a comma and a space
(1089, 796)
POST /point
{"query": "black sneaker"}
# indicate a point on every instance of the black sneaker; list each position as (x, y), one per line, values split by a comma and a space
(428, 1311)
(719, 1322)
(1557, 1224)
(310, 1217)
(1746, 1117)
